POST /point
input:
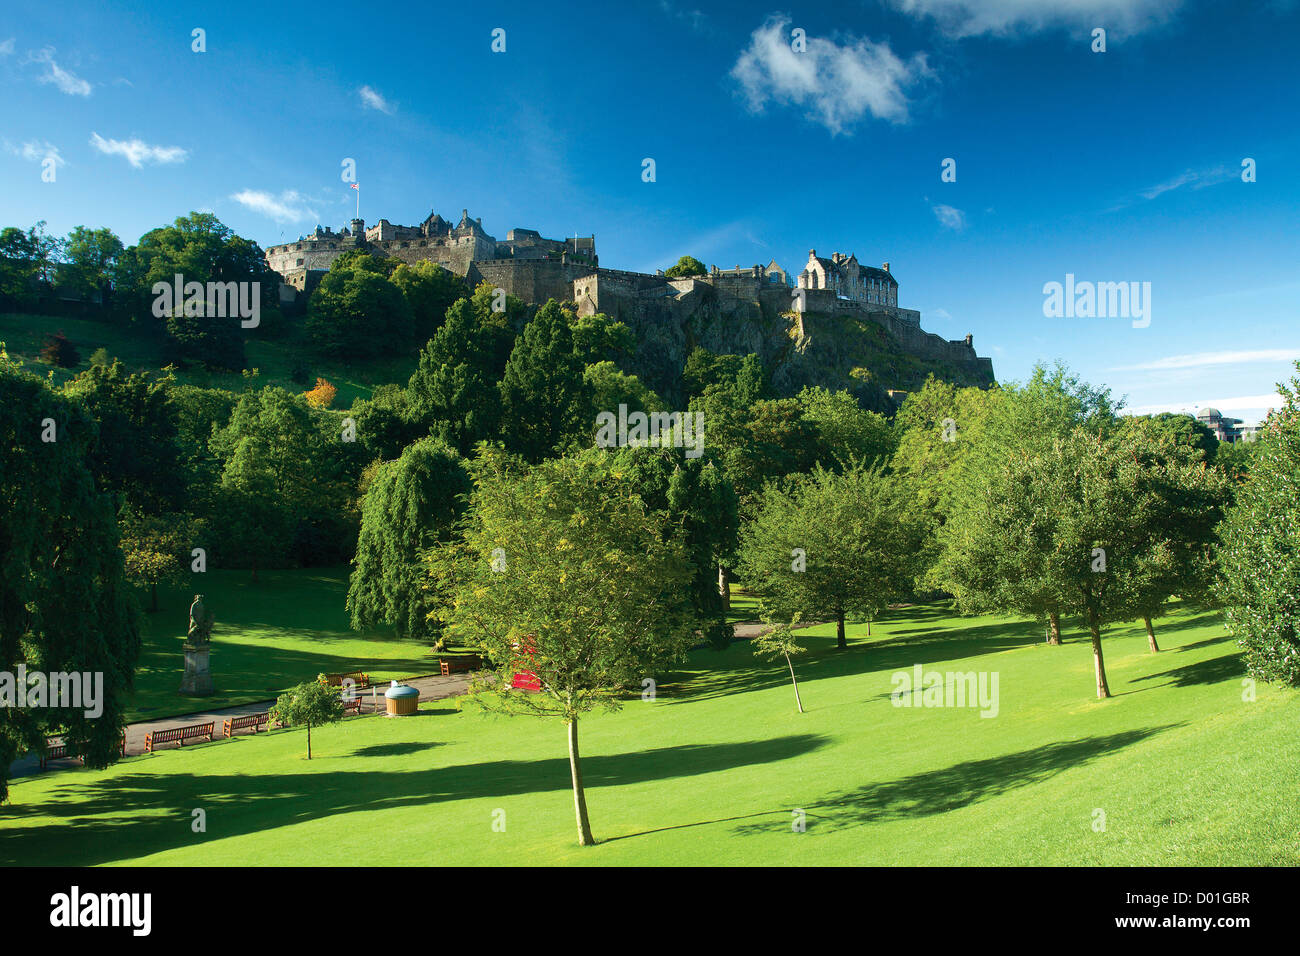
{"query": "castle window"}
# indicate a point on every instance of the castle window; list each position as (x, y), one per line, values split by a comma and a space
(299, 262)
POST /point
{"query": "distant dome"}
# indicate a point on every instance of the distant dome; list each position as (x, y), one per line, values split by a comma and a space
(1209, 413)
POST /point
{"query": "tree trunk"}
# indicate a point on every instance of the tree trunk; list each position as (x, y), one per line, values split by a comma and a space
(797, 701)
(579, 796)
(309, 741)
(153, 590)
(1099, 663)
(1151, 636)
(724, 586)
(840, 642)
(1054, 629)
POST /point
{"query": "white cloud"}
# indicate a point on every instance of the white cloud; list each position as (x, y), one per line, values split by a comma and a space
(1203, 359)
(836, 83)
(37, 151)
(1197, 179)
(963, 18)
(7, 47)
(137, 152)
(66, 81)
(949, 217)
(371, 98)
(289, 206)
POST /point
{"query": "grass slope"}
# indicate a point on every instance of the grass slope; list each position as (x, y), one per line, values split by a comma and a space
(24, 336)
(254, 654)
(1185, 771)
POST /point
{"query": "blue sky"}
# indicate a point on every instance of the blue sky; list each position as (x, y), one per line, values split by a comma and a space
(1115, 166)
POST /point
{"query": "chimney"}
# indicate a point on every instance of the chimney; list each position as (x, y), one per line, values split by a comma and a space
(885, 267)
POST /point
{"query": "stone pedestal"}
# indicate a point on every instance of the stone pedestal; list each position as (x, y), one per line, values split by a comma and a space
(197, 681)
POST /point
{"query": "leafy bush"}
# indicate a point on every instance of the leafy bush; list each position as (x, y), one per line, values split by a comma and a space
(1259, 561)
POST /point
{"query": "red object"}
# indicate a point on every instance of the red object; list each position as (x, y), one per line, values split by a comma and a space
(526, 680)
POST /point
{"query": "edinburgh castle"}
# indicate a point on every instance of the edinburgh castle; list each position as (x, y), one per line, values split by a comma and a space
(836, 323)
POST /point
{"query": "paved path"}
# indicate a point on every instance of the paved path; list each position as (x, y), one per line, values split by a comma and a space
(430, 688)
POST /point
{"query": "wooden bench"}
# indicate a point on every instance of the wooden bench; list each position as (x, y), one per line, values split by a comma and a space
(452, 665)
(352, 706)
(358, 679)
(177, 734)
(59, 751)
(256, 721)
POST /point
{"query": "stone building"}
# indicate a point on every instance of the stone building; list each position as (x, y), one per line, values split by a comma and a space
(456, 248)
(844, 276)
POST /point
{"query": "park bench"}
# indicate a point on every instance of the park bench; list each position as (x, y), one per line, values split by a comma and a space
(452, 665)
(358, 679)
(177, 734)
(243, 723)
(59, 751)
(352, 706)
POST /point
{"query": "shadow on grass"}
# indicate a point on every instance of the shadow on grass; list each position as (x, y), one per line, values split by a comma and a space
(736, 671)
(136, 814)
(1212, 671)
(940, 791)
(393, 750)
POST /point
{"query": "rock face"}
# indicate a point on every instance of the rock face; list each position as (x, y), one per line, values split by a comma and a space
(835, 344)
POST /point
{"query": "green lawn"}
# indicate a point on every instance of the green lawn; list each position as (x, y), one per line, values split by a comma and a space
(1185, 771)
(255, 654)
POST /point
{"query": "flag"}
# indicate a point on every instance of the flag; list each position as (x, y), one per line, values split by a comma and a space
(356, 186)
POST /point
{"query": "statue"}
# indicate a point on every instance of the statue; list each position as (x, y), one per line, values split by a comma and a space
(197, 681)
(201, 621)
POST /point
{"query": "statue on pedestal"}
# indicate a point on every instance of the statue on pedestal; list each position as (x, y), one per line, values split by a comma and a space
(201, 621)
(197, 680)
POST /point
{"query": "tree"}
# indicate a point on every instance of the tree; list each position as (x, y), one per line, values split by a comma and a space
(430, 291)
(702, 510)
(777, 642)
(322, 396)
(831, 545)
(1018, 422)
(199, 248)
(545, 402)
(453, 393)
(283, 472)
(27, 261)
(1259, 563)
(847, 429)
(411, 504)
(156, 550)
(1075, 526)
(686, 266)
(357, 312)
(58, 351)
(1187, 500)
(385, 422)
(91, 256)
(137, 456)
(564, 572)
(65, 605)
(313, 704)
